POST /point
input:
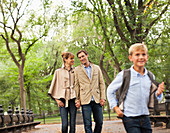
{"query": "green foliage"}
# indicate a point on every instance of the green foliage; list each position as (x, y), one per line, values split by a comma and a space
(93, 30)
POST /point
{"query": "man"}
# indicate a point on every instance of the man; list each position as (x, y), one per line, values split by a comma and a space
(90, 92)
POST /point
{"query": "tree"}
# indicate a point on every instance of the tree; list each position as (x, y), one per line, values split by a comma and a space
(12, 32)
(122, 23)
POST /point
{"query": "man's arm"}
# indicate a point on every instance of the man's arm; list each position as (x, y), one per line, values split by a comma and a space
(102, 88)
(77, 90)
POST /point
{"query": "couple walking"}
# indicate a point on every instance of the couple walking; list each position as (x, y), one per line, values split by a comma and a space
(81, 86)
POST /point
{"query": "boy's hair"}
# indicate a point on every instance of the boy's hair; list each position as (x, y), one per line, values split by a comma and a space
(136, 47)
(66, 55)
(84, 51)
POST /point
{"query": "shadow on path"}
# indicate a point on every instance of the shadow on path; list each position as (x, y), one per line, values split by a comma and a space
(114, 126)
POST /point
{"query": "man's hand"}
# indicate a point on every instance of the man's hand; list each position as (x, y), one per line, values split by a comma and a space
(102, 102)
(78, 104)
(60, 103)
(118, 111)
(160, 88)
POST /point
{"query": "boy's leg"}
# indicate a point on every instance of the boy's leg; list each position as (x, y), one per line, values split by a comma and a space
(98, 117)
(72, 112)
(86, 111)
(132, 125)
(145, 125)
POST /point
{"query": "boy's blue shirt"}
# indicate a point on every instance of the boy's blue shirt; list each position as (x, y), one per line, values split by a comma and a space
(136, 102)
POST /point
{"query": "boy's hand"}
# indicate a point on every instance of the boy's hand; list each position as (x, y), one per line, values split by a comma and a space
(160, 88)
(60, 103)
(102, 102)
(118, 111)
(78, 104)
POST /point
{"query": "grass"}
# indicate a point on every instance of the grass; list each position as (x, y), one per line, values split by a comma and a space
(57, 119)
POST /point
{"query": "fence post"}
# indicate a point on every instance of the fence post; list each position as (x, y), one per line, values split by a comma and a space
(44, 117)
(18, 116)
(10, 115)
(1, 116)
(28, 115)
(167, 107)
(23, 115)
(31, 115)
(109, 113)
(167, 102)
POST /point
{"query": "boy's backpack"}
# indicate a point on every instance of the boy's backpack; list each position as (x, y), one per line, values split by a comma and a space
(122, 91)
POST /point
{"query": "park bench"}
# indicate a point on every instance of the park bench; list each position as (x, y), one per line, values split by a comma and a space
(161, 112)
(18, 122)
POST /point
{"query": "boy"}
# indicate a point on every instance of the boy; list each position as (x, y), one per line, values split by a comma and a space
(135, 104)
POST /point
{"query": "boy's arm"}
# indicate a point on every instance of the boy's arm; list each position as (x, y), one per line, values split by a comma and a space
(158, 93)
(112, 88)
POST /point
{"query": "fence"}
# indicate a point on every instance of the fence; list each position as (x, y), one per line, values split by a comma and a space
(18, 122)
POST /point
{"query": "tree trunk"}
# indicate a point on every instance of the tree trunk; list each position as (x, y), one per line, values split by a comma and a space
(22, 89)
(29, 96)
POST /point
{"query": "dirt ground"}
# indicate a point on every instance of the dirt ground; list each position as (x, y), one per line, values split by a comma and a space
(114, 126)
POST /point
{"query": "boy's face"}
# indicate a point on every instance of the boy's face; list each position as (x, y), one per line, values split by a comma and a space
(139, 58)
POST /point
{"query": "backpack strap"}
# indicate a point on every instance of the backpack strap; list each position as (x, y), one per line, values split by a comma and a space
(150, 74)
(122, 91)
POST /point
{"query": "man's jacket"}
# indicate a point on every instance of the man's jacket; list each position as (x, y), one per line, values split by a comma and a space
(86, 88)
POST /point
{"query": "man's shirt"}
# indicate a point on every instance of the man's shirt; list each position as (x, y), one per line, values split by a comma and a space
(88, 71)
(137, 98)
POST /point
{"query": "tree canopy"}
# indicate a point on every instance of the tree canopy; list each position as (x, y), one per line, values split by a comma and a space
(32, 40)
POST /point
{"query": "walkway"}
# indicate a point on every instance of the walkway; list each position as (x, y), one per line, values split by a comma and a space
(115, 126)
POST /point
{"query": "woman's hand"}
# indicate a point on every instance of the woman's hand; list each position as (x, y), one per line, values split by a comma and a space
(60, 103)
(78, 104)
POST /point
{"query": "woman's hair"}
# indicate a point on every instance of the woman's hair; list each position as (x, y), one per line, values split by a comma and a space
(66, 55)
(136, 47)
(84, 51)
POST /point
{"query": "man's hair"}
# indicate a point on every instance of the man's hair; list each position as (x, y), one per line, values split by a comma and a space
(84, 51)
(66, 55)
(136, 47)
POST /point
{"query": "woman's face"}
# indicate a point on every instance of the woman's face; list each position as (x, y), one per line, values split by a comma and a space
(70, 61)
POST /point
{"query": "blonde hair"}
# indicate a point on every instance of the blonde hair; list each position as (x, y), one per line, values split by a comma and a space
(136, 47)
(66, 55)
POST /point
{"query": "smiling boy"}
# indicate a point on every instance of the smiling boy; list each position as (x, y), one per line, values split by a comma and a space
(137, 95)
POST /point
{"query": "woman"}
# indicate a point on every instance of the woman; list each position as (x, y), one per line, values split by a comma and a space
(62, 91)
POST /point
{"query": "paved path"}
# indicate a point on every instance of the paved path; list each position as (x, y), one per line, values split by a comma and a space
(114, 126)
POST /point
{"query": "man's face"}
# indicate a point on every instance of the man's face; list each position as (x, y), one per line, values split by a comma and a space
(139, 58)
(83, 58)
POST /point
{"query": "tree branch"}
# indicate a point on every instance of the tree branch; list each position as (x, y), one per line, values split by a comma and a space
(154, 21)
(33, 43)
(129, 7)
(111, 3)
(124, 17)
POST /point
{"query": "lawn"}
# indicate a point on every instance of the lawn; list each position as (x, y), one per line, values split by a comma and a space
(52, 120)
